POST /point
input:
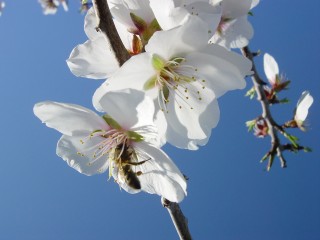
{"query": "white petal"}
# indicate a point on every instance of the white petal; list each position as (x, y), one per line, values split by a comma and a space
(133, 74)
(121, 10)
(221, 69)
(130, 108)
(69, 119)
(254, 3)
(192, 123)
(303, 106)
(90, 24)
(235, 8)
(93, 59)
(64, 5)
(236, 35)
(271, 68)
(178, 41)
(240, 32)
(160, 175)
(168, 14)
(207, 13)
(161, 123)
(70, 150)
(126, 37)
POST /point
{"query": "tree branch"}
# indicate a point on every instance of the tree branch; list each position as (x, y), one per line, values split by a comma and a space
(179, 220)
(107, 27)
(258, 83)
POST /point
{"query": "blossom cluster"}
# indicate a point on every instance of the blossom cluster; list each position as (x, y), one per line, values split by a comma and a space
(50, 7)
(276, 84)
(182, 61)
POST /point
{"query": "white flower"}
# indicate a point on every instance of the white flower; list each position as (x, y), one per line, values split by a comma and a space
(125, 140)
(184, 75)
(302, 109)
(51, 6)
(2, 5)
(271, 69)
(234, 30)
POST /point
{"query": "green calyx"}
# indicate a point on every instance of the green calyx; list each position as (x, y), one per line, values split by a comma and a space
(136, 137)
(111, 122)
(151, 83)
(157, 62)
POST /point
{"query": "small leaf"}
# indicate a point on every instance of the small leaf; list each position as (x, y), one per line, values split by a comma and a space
(251, 93)
(136, 137)
(284, 100)
(250, 13)
(111, 122)
(307, 149)
(250, 124)
(264, 157)
(292, 139)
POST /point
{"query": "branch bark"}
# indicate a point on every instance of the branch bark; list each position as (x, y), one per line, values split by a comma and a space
(258, 83)
(179, 220)
(107, 27)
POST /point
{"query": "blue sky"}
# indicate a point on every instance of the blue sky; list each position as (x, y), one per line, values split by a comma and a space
(230, 195)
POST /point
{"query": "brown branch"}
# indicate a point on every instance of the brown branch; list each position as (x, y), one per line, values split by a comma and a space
(266, 114)
(107, 27)
(179, 220)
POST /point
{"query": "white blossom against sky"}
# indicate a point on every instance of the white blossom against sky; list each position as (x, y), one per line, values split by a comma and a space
(230, 195)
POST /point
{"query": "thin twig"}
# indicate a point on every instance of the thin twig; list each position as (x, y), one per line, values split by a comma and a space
(107, 27)
(179, 220)
(266, 114)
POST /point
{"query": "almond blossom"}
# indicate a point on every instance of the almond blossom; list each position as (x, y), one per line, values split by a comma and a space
(185, 76)
(302, 109)
(124, 140)
(51, 6)
(271, 69)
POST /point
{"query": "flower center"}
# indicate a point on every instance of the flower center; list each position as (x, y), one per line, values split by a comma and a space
(175, 77)
(103, 142)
